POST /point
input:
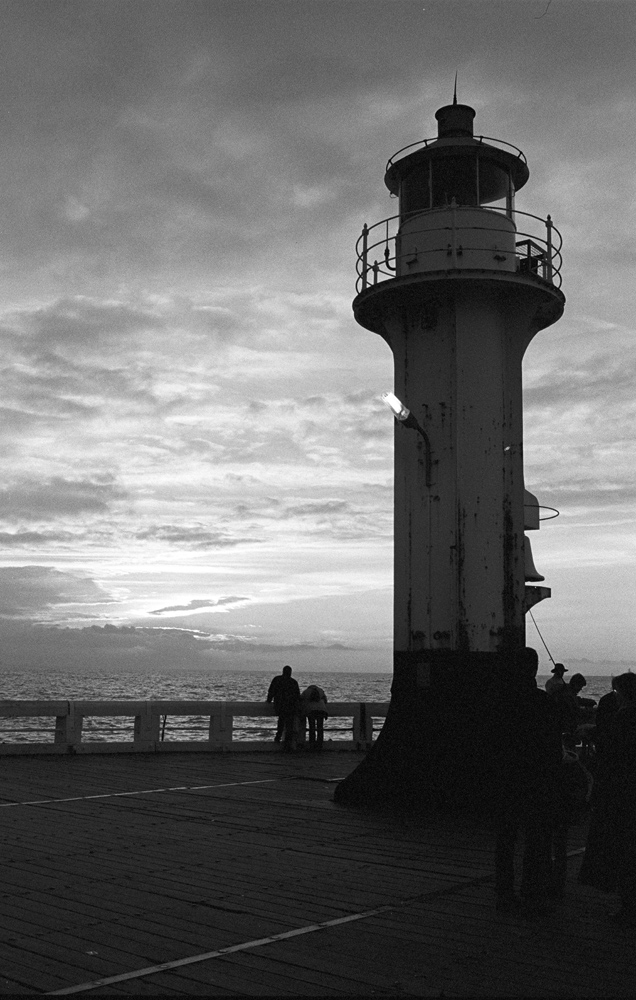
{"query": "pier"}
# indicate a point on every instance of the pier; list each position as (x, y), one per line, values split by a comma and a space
(223, 874)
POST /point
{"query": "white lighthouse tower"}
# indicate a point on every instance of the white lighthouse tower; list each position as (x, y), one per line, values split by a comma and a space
(458, 284)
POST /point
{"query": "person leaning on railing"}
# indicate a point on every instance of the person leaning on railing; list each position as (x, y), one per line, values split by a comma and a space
(314, 708)
(285, 694)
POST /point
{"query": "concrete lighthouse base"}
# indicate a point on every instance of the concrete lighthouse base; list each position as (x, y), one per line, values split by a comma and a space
(435, 749)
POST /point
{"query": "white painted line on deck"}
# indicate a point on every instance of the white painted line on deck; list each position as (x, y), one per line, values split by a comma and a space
(143, 791)
(152, 970)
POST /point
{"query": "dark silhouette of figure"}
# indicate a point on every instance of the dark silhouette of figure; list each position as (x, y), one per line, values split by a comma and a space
(528, 753)
(609, 863)
(572, 792)
(285, 694)
(605, 715)
(314, 707)
(567, 705)
(557, 681)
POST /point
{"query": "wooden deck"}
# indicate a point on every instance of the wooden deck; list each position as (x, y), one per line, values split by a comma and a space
(235, 875)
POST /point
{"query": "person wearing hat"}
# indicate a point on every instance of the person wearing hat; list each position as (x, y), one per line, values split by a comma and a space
(556, 683)
(567, 708)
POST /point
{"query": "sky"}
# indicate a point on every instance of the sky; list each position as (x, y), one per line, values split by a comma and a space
(197, 464)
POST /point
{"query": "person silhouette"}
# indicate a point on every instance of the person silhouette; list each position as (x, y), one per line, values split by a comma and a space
(314, 707)
(609, 863)
(557, 681)
(284, 692)
(528, 754)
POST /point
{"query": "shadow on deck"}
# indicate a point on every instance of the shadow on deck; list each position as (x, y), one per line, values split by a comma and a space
(223, 875)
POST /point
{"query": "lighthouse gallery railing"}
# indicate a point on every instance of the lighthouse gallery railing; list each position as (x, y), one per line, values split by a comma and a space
(537, 252)
(434, 140)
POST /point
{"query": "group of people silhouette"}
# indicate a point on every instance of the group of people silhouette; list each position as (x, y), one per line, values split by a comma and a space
(558, 756)
(548, 777)
(296, 711)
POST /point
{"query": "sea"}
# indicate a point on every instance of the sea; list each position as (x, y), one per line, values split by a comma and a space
(190, 685)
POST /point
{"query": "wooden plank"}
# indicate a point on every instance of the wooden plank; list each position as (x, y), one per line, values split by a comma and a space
(168, 983)
(33, 968)
(298, 976)
(321, 955)
(140, 987)
(228, 973)
(11, 987)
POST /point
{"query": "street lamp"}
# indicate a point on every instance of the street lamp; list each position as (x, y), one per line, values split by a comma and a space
(397, 408)
(404, 416)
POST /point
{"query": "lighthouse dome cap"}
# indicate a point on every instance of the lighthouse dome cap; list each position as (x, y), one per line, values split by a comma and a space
(455, 120)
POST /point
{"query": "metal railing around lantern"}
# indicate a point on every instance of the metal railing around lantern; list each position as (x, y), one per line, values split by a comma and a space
(537, 252)
(478, 139)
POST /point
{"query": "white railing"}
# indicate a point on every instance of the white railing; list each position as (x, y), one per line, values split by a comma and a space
(155, 726)
(537, 252)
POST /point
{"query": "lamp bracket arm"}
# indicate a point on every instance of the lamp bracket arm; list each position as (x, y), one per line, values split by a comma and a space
(415, 425)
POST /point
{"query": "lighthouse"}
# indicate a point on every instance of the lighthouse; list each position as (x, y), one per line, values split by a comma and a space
(457, 283)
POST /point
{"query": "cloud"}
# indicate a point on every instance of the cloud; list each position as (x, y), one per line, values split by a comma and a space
(201, 605)
(282, 510)
(195, 536)
(588, 494)
(234, 644)
(57, 498)
(140, 653)
(84, 321)
(316, 508)
(102, 649)
(30, 592)
(25, 539)
(604, 376)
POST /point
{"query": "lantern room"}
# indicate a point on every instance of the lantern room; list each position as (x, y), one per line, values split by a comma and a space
(456, 167)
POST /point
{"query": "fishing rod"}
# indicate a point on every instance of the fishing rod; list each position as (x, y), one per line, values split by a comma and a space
(541, 637)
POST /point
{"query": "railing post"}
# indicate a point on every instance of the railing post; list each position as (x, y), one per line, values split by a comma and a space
(548, 225)
(376, 267)
(71, 733)
(62, 730)
(221, 726)
(147, 726)
(362, 725)
(365, 240)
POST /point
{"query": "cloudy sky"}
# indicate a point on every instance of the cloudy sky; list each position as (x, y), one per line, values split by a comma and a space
(198, 469)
